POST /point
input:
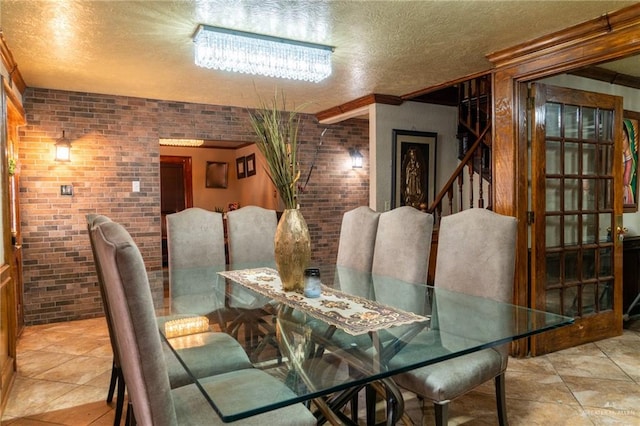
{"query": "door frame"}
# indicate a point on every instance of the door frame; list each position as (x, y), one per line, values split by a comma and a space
(609, 37)
(187, 185)
(188, 178)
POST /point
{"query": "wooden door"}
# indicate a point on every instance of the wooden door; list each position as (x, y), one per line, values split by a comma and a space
(176, 191)
(576, 196)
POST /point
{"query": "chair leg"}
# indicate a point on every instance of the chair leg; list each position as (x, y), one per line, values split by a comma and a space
(131, 417)
(442, 413)
(120, 399)
(501, 400)
(112, 382)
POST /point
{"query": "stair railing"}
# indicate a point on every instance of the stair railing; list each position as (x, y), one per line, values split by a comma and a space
(474, 162)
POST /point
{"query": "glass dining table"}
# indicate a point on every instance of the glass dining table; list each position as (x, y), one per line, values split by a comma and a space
(360, 332)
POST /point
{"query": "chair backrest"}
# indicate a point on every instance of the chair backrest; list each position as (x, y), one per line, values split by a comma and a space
(132, 314)
(403, 244)
(92, 221)
(251, 231)
(357, 239)
(195, 245)
(476, 254)
(195, 238)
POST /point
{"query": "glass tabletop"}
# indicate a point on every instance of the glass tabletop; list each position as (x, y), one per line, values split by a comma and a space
(342, 340)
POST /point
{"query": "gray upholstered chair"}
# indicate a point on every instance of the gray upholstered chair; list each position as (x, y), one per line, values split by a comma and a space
(355, 250)
(195, 249)
(357, 238)
(476, 256)
(136, 330)
(232, 356)
(401, 252)
(403, 245)
(402, 249)
(251, 232)
(117, 379)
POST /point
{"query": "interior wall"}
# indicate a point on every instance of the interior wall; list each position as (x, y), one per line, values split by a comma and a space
(114, 142)
(254, 190)
(631, 102)
(415, 116)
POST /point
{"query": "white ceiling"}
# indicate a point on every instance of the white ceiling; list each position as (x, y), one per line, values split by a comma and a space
(144, 48)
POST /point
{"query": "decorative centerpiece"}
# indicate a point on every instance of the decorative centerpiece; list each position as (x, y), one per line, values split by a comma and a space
(277, 132)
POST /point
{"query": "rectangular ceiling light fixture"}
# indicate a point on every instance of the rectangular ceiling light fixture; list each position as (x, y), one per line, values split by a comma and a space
(238, 51)
(181, 142)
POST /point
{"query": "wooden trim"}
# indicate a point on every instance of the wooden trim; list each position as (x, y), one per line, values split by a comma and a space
(605, 24)
(608, 76)
(14, 107)
(367, 100)
(10, 64)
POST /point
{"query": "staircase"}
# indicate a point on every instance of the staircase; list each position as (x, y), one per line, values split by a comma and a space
(470, 183)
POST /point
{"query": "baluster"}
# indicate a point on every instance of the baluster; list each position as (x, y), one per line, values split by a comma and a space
(460, 183)
(480, 191)
(471, 183)
(450, 197)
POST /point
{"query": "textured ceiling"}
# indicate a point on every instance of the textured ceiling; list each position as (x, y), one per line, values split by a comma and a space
(144, 48)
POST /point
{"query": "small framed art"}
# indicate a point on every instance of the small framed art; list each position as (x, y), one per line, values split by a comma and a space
(241, 167)
(251, 165)
(216, 176)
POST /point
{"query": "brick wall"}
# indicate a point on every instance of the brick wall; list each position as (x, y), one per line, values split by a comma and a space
(115, 141)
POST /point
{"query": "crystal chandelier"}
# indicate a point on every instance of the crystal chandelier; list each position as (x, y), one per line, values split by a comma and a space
(237, 51)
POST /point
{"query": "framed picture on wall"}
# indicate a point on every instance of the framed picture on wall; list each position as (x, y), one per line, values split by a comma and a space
(630, 157)
(241, 169)
(413, 178)
(251, 165)
(216, 175)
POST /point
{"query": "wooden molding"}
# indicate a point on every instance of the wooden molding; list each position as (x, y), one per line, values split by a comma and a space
(628, 17)
(609, 76)
(17, 115)
(11, 66)
(373, 98)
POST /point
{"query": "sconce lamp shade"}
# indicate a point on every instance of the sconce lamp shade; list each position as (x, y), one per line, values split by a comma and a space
(63, 149)
(356, 159)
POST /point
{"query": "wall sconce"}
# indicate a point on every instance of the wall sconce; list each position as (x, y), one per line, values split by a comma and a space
(63, 149)
(356, 158)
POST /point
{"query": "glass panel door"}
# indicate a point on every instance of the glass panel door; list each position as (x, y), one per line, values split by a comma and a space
(574, 144)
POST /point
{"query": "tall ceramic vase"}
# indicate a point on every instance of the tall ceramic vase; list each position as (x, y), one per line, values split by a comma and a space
(292, 249)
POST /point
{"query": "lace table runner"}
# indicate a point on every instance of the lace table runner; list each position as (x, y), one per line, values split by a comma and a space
(355, 315)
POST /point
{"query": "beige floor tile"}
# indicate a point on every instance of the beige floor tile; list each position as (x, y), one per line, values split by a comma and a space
(79, 397)
(80, 415)
(101, 381)
(540, 365)
(78, 370)
(628, 342)
(29, 396)
(33, 363)
(597, 366)
(548, 388)
(74, 345)
(530, 413)
(605, 394)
